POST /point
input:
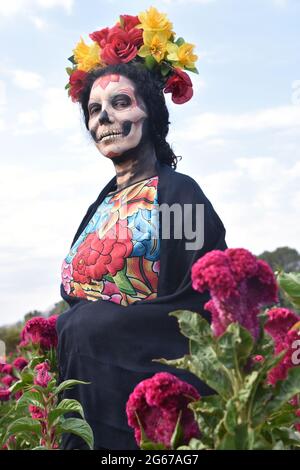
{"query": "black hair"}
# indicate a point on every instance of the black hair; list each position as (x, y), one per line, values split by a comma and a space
(149, 88)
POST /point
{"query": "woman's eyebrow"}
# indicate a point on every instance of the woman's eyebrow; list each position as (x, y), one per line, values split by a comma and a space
(93, 103)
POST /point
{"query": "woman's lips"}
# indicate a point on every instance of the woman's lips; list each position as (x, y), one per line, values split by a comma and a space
(110, 137)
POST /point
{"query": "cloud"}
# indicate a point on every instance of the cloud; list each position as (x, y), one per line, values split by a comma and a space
(39, 23)
(26, 80)
(207, 125)
(256, 201)
(280, 3)
(2, 103)
(201, 2)
(13, 7)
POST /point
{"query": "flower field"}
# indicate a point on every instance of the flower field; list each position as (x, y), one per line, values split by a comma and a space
(249, 356)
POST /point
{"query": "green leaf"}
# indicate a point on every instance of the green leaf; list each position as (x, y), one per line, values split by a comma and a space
(150, 62)
(203, 360)
(79, 427)
(72, 59)
(237, 441)
(235, 346)
(164, 70)
(179, 41)
(65, 406)
(68, 384)
(30, 397)
(145, 443)
(284, 391)
(231, 416)
(192, 69)
(25, 424)
(121, 20)
(177, 436)
(290, 284)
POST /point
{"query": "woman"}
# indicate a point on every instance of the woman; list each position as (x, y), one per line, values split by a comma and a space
(129, 262)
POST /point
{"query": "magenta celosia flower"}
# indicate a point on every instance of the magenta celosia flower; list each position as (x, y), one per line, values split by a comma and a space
(280, 321)
(7, 369)
(8, 380)
(37, 412)
(20, 362)
(239, 285)
(158, 401)
(4, 394)
(40, 330)
(43, 377)
(281, 325)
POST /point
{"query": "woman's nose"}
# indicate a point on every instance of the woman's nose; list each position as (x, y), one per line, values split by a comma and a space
(103, 117)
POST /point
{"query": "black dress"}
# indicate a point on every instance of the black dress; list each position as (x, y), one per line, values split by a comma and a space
(111, 345)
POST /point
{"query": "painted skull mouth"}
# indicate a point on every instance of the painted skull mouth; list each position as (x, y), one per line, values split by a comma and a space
(110, 135)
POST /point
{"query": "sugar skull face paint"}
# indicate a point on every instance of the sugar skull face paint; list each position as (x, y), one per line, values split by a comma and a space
(116, 115)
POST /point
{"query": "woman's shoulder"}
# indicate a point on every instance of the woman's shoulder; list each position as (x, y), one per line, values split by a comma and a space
(187, 185)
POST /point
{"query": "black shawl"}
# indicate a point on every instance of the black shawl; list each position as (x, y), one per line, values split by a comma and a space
(112, 346)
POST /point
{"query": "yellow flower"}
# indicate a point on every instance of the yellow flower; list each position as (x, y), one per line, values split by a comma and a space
(87, 57)
(155, 44)
(154, 21)
(182, 55)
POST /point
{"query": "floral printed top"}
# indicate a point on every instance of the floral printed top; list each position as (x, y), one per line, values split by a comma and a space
(116, 257)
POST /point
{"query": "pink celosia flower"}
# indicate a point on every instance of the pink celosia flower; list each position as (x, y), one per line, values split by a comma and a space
(7, 369)
(43, 377)
(20, 362)
(36, 412)
(42, 331)
(8, 380)
(239, 285)
(279, 322)
(281, 326)
(158, 401)
(4, 394)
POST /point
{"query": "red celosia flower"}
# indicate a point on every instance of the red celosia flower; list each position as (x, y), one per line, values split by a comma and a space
(4, 394)
(239, 285)
(280, 321)
(42, 331)
(77, 82)
(158, 401)
(43, 377)
(280, 325)
(180, 85)
(36, 412)
(7, 369)
(8, 380)
(20, 363)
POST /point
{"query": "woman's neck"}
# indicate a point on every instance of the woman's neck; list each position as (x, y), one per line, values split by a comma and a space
(132, 168)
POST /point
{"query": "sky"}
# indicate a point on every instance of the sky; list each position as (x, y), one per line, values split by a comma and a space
(238, 137)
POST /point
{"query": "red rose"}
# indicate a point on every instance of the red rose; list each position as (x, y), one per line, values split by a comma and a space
(117, 44)
(97, 257)
(180, 85)
(136, 35)
(100, 37)
(77, 84)
(129, 21)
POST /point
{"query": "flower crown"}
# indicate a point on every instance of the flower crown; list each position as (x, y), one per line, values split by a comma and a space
(146, 39)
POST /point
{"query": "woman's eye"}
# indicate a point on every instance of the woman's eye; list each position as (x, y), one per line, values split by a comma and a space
(95, 109)
(122, 103)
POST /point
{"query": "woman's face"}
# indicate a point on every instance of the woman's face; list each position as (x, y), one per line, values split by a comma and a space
(116, 115)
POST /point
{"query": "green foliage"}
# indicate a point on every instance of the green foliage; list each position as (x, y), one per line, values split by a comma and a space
(246, 413)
